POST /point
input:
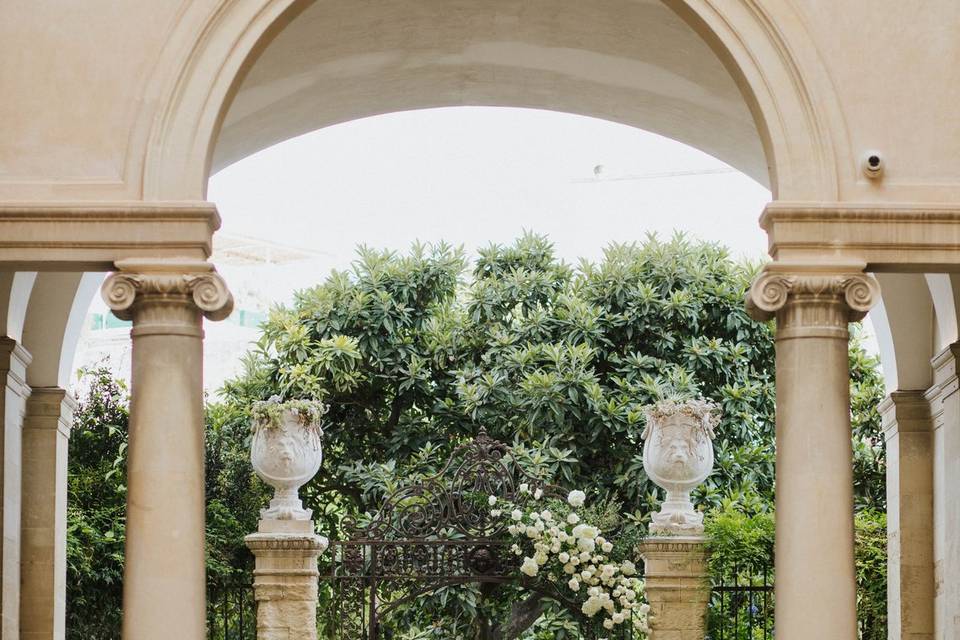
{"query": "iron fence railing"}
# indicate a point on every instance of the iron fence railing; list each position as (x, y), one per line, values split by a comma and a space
(231, 612)
(741, 605)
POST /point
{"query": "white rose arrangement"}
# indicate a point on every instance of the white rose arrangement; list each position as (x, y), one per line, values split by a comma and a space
(556, 544)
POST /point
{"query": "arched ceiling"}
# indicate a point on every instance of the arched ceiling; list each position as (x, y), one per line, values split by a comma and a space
(631, 61)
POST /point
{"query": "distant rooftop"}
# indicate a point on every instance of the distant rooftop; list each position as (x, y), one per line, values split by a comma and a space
(235, 249)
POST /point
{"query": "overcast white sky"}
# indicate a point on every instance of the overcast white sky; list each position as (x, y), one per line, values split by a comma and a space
(472, 175)
(468, 175)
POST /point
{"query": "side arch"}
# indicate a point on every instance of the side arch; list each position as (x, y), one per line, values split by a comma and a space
(54, 321)
(15, 289)
(905, 321)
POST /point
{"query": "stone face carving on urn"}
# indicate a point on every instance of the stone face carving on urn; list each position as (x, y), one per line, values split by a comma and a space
(286, 452)
(678, 456)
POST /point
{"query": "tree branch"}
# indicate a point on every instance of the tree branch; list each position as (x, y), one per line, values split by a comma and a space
(522, 615)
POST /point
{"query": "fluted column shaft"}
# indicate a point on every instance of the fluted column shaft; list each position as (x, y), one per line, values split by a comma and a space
(164, 589)
(815, 579)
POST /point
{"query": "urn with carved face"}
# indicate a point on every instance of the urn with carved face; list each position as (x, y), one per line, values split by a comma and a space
(678, 456)
(286, 452)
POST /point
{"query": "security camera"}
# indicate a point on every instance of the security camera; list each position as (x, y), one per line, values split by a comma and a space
(873, 165)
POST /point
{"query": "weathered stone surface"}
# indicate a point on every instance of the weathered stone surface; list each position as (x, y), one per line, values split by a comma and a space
(677, 587)
(285, 579)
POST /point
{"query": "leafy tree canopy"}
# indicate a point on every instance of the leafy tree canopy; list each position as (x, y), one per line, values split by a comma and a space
(414, 354)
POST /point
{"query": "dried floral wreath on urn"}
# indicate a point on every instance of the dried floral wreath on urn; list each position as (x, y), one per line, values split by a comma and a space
(286, 451)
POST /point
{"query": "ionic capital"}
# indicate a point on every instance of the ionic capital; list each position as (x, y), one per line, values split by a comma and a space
(851, 293)
(196, 283)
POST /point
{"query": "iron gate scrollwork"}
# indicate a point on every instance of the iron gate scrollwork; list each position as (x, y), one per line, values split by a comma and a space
(434, 533)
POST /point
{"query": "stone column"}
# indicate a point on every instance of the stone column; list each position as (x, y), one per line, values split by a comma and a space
(14, 392)
(815, 585)
(285, 578)
(677, 587)
(944, 398)
(43, 586)
(164, 589)
(908, 431)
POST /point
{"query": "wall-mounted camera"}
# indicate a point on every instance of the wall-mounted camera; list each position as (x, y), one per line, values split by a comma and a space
(873, 165)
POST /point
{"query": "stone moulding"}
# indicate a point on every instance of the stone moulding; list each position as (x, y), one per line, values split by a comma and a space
(285, 542)
(61, 236)
(918, 237)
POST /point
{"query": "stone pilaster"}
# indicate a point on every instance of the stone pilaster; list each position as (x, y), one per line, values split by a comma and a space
(908, 432)
(164, 590)
(677, 587)
(813, 305)
(43, 586)
(945, 412)
(285, 578)
(14, 392)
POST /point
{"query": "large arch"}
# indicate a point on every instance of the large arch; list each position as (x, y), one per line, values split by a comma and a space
(794, 112)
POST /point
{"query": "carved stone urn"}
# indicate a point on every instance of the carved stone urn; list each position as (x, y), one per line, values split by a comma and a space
(678, 456)
(286, 452)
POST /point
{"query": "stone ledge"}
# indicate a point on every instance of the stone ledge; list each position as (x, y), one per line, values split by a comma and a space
(285, 542)
(918, 237)
(51, 236)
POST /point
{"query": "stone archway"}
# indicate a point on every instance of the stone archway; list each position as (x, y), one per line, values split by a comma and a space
(795, 114)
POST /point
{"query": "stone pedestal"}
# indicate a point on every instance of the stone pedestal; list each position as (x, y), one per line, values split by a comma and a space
(285, 578)
(677, 586)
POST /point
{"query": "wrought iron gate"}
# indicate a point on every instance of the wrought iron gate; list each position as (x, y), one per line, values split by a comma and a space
(431, 534)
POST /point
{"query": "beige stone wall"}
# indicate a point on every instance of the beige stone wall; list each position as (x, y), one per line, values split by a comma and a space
(883, 77)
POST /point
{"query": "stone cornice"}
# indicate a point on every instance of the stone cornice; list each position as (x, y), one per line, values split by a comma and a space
(905, 412)
(166, 283)
(666, 545)
(812, 295)
(285, 542)
(945, 380)
(50, 408)
(14, 360)
(37, 236)
(920, 237)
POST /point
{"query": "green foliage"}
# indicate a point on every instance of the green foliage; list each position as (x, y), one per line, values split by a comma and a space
(414, 355)
(871, 552)
(96, 504)
(869, 448)
(96, 518)
(739, 541)
(741, 552)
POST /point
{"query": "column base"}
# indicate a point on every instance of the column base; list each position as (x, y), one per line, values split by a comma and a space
(285, 578)
(677, 586)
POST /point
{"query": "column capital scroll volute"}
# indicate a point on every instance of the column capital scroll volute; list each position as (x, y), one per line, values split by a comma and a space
(207, 290)
(772, 289)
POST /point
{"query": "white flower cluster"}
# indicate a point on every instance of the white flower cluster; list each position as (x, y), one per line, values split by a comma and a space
(568, 551)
